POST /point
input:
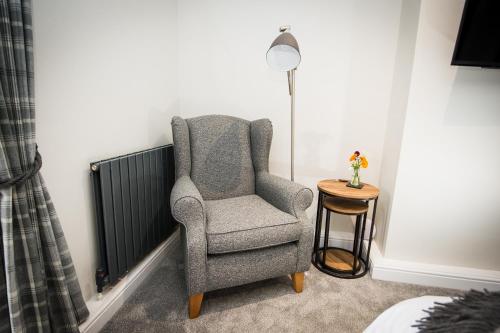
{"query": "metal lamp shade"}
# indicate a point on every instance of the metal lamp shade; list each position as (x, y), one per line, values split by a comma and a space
(283, 54)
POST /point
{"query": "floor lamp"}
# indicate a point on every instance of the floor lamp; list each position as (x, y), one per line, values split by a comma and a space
(284, 55)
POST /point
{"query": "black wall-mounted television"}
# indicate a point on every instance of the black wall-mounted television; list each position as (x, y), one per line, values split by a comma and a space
(478, 40)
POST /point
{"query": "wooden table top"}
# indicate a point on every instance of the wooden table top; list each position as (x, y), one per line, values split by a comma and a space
(345, 206)
(339, 189)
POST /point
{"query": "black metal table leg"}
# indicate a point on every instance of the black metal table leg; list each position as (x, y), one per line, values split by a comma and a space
(371, 235)
(363, 233)
(327, 233)
(361, 236)
(355, 245)
(319, 218)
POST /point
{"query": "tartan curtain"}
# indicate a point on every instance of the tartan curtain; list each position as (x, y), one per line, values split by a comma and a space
(39, 290)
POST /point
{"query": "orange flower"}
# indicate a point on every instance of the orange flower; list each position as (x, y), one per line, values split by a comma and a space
(364, 162)
(353, 157)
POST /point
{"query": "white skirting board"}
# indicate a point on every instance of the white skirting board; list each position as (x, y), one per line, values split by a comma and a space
(462, 278)
(454, 277)
(101, 310)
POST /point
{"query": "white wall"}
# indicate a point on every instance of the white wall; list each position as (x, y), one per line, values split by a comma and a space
(343, 83)
(106, 84)
(446, 208)
(403, 66)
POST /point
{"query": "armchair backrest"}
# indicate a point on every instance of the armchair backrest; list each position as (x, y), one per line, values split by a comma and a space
(221, 154)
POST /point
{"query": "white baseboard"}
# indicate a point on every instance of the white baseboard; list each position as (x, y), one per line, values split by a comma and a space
(342, 240)
(454, 277)
(101, 310)
(337, 242)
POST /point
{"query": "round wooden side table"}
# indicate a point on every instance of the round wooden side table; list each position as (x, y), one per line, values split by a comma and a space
(336, 197)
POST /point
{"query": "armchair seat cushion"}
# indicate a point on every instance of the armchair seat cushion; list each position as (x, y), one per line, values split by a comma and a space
(246, 223)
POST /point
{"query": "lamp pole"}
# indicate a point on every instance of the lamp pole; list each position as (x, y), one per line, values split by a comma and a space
(291, 89)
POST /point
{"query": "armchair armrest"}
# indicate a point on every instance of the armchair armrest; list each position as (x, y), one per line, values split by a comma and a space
(187, 204)
(293, 199)
(284, 194)
(188, 208)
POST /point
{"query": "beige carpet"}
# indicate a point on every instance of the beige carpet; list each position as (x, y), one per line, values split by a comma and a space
(327, 304)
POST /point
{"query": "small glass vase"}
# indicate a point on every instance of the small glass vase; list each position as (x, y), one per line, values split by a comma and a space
(355, 178)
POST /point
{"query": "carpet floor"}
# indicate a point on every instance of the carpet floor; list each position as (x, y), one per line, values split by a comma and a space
(327, 304)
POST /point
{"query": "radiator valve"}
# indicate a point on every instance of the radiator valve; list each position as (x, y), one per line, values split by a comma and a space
(100, 279)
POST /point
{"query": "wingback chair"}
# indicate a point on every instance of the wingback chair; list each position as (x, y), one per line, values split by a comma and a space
(239, 224)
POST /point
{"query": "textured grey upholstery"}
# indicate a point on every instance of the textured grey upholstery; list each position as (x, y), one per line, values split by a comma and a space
(189, 209)
(221, 158)
(262, 133)
(228, 270)
(283, 194)
(240, 224)
(246, 223)
(305, 243)
(182, 151)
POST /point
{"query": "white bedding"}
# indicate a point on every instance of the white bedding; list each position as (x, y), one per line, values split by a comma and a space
(400, 317)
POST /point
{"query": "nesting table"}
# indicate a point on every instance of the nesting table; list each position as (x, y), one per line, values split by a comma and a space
(336, 197)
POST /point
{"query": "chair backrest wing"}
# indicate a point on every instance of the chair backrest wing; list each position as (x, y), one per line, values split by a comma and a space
(219, 160)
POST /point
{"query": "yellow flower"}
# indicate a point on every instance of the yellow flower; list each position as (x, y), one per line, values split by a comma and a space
(353, 157)
(364, 162)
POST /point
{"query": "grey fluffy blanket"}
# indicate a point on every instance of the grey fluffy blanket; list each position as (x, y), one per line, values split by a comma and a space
(473, 312)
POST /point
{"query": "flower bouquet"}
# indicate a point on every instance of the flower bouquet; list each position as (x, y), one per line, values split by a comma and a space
(357, 161)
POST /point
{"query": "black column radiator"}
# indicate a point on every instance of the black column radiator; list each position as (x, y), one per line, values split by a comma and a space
(132, 208)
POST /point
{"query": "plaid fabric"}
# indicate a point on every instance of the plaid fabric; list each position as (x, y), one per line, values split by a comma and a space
(39, 290)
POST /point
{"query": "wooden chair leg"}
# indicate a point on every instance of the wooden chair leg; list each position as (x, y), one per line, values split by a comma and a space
(298, 281)
(195, 305)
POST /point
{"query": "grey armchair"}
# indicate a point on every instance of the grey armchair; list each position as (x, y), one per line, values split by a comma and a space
(239, 223)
